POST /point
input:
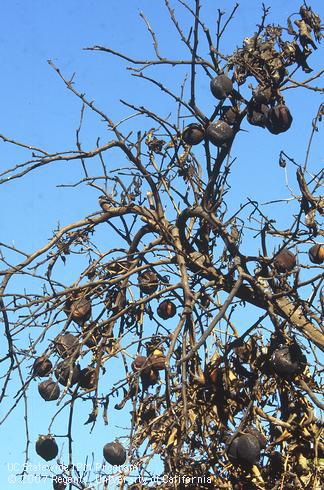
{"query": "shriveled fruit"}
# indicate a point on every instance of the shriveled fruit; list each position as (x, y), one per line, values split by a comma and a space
(219, 133)
(316, 254)
(114, 453)
(67, 373)
(256, 433)
(49, 390)
(258, 116)
(166, 309)
(193, 134)
(221, 86)
(148, 282)
(80, 310)
(46, 447)
(287, 361)
(87, 378)
(262, 95)
(285, 261)
(67, 345)
(279, 119)
(230, 115)
(42, 366)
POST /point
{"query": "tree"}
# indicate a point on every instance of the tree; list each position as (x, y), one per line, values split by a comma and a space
(163, 303)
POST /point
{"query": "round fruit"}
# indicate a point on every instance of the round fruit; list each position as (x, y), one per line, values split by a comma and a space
(67, 373)
(248, 449)
(166, 309)
(316, 254)
(114, 453)
(148, 282)
(256, 433)
(67, 345)
(219, 133)
(59, 482)
(285, 361)
(42, 366)
(221, 87)
(87, 378)
(232, 449)
(46, 447)
(49, 390)
(279, 119)
(193, 134)
(80, 310)
(285, 261)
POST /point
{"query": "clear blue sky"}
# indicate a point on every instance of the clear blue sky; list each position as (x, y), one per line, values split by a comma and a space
(36, 108)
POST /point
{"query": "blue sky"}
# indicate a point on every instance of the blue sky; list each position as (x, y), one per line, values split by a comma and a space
(36, 108)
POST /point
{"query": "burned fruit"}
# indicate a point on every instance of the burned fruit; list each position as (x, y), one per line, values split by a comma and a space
(258, 116)
(166, 309)
(193, 134)
(279, 119)
(285, 261)
(42, 366)
(219, 133)
(221, 87)
(46, 447)
(49, 390)
(141, 363)
(230, 115)
(114, 453)
(67, 373)
(87, 378)
(286, 361)
(316, 254)
(148, 282)
(67, 345)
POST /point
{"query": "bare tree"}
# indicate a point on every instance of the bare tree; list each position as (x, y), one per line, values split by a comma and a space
(220, 407)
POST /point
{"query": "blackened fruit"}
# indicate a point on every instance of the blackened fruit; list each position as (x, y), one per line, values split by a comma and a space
(256, 433)
(46, 447)
(67, 345)
(87, 378)
(193, 134)
(166, 309)
(258, 116)
(49, 390)
(248, 450)
(80, 310)
(262, 95)
(114, 453)
(279, 119)
(148, 282)
(286, 361)
(232, 449)
(316, 254)
(42, 366)
(59, 482)
(221, 87)
(67, 373)
(230, 115)
(219, 133)
(285, 261)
